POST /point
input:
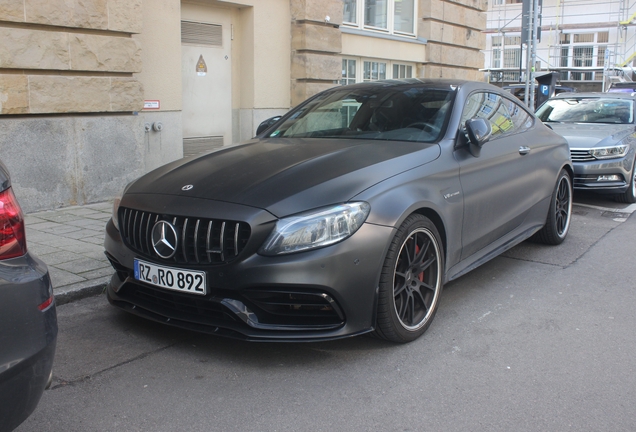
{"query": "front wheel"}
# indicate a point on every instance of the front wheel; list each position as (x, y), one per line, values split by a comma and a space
(411, 281)
(629, 196)
(557, 223)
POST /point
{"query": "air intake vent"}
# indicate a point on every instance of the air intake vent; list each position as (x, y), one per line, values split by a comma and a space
(197, 145)
(201, 34)
(199, 241)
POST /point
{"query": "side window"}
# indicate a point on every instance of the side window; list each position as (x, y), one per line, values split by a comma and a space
(520, 118)
(491, 107)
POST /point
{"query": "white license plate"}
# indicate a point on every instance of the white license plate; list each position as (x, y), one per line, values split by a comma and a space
(186, 281)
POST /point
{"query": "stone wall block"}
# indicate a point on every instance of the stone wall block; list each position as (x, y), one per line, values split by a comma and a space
(316, 38)
(91, 14)
(12, 10)
(125, 16)
(302, 90)
(312, 10)
(455, 35)
(126, 95)
(316, 66)
(105, 53)
(475, 4)
(14, 95)
(60, 94)
(33, 49)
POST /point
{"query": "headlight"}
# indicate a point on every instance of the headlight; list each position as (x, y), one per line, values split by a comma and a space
(116, 211)
(610, 152)
(316, 228)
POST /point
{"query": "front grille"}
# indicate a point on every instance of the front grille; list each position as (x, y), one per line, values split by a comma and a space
(581, 155)
(199, 241)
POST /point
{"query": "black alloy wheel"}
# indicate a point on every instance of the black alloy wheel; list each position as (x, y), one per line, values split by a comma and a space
(411, 281)
(558, 221)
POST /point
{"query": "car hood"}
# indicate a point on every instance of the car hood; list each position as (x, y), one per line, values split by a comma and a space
(287, 176)
(582, 135)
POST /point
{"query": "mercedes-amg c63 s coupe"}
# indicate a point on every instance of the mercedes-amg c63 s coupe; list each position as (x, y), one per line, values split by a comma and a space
(344, 216)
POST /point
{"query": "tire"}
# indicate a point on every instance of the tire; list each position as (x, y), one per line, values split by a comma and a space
(629, 196)
(411, 281)
(557, 223)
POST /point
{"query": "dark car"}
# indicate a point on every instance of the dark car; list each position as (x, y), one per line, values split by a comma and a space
(600, 130)
(28, 324)
(344, 217)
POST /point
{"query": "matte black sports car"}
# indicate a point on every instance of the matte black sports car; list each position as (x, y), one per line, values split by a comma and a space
(345, 216)
(28, 322)
(601, 131)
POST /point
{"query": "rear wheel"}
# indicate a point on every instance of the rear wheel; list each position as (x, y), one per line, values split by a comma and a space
(557, 223)
(629, 196)
(411, 281)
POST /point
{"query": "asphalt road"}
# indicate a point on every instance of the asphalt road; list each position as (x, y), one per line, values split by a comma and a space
(540, 339)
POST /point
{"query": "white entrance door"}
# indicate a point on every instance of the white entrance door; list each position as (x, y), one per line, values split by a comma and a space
(207, 79)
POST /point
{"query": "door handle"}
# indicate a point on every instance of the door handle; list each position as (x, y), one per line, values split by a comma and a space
(524, 150)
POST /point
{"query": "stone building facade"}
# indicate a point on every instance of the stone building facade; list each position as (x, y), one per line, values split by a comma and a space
(94, 93)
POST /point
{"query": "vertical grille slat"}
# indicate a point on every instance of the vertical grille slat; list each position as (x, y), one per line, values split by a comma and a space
(196, 241)
(134, 230)
(184, 240)
(221, 241)
(208, 241)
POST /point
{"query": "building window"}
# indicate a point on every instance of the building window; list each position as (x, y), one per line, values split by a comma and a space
(362, 70)
(581, 51)
(388, 16)
(402, 71)
(374, 71)
(348, 72)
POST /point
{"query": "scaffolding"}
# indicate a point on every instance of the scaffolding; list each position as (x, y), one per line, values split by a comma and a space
(583, 40)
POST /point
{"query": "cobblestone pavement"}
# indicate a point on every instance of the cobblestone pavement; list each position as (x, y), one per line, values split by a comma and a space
(70, 241)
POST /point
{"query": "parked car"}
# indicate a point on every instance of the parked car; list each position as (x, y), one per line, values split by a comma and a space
(345, 216)
(28, 323)
(600, 130)
(623, 87)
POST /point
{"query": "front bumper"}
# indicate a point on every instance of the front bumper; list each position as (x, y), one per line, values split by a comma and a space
(321, 294)
(587, 175)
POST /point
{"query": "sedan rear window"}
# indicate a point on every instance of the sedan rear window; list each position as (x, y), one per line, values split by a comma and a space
(587, 110)
(392, 113)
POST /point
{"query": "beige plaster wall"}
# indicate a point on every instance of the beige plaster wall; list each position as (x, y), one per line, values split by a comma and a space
(161, 53)
(364, 46)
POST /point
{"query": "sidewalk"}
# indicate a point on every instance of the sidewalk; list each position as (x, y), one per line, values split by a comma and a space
(70, 241)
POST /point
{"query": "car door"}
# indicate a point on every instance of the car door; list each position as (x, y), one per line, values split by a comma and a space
(498, 183)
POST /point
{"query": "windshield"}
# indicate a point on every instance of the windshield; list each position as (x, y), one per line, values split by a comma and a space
(381, 113)
(587, 110)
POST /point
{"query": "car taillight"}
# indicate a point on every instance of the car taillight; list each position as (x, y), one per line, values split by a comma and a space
(12, 236)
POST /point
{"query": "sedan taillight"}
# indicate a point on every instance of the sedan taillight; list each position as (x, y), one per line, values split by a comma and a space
(12, 236)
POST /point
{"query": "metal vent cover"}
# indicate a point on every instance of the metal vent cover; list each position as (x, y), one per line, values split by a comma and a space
(197, 145)
(197, 33)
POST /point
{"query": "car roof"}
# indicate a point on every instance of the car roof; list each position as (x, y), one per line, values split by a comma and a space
(418, 82)
(607, 95)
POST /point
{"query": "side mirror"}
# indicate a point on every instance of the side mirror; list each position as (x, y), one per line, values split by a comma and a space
(267, 124)
(478, 130)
